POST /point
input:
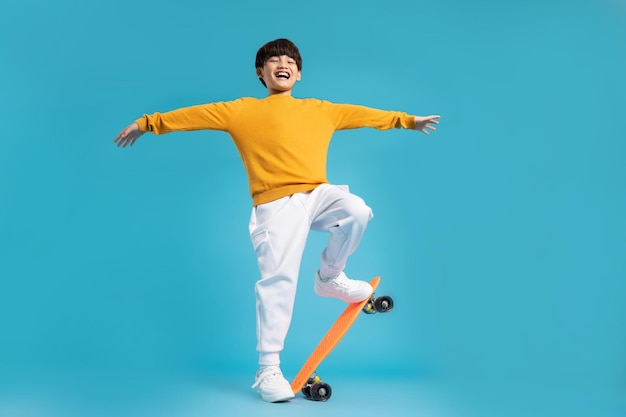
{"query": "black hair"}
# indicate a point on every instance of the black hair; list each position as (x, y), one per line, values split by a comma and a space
(277, 47)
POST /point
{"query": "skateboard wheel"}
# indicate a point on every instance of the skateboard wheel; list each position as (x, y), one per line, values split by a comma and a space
(306, 389)
(383, 304)
(321, 391)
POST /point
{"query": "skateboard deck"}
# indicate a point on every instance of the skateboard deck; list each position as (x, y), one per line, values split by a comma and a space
(306, 375)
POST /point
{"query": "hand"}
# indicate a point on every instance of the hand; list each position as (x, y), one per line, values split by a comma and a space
(422, 123)
(128, 136)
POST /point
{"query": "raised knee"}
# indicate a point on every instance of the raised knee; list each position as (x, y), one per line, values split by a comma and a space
(360, 212)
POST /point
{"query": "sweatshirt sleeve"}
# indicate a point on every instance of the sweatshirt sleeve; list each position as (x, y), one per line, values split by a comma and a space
(213, 116)
(350, 116)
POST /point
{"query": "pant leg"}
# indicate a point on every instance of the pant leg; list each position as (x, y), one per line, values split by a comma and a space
(279, 231)
(345, 216)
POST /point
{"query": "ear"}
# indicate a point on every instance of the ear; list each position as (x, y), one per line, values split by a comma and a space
(299, 76)
(259, 72)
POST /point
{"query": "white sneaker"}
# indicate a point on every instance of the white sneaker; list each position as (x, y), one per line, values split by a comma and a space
(342, 287)
(272, 385)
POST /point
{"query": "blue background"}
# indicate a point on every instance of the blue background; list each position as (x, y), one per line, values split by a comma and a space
(127, 275)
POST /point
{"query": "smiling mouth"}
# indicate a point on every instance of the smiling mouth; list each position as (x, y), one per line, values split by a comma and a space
(283, 74)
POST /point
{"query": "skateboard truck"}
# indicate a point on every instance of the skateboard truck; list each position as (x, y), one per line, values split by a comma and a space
(381, 304)
(317, 390)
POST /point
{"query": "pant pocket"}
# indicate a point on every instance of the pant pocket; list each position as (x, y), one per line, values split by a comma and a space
(264, 253)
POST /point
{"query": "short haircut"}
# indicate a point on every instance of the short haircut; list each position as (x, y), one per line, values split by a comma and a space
(277, 47)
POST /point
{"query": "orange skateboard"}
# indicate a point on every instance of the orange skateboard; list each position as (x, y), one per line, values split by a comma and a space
(307, 380)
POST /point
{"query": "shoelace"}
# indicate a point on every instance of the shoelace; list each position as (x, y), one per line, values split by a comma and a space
(342, 282)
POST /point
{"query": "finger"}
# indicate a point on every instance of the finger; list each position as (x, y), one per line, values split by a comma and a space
(122, 135)
(133, 138)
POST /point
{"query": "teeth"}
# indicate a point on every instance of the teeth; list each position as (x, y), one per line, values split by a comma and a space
(282, 75)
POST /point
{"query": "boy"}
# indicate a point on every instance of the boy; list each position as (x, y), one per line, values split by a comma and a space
(283, 142)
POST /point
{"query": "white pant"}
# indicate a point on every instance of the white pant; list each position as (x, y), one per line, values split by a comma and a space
(279, 231)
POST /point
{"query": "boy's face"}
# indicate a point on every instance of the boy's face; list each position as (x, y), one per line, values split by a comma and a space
(280, 74)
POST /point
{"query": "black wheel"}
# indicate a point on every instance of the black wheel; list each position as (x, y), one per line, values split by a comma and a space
(321, 391)
(306, 389)
(383, 304)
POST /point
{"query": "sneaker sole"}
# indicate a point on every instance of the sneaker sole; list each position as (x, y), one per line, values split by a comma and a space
(277, 399)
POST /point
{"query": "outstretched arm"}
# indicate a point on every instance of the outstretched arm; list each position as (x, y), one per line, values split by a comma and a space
(213, 116)
(350, 116)
(128, 136)
(425, 123)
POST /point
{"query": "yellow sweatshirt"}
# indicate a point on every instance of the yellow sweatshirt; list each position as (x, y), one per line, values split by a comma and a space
(283, 141)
